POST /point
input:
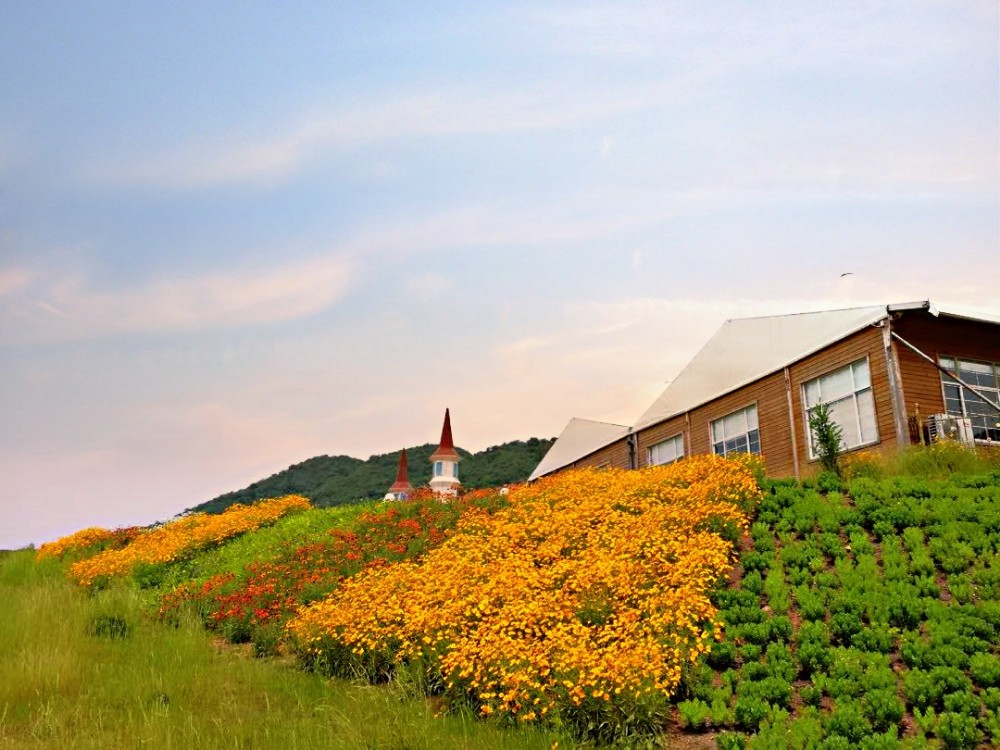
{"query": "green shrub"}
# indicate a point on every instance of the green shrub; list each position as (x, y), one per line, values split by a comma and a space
(835, 742)
(755, 560)
(844, 625)
(811, 695)
(730, 741)
(961, 588)
(991, 699)
(875, 638)
(826, 438)
(753, 582)
(985, 670)
(721, 714)
(962, 702)
(828, 481)
(749, 712)
(779, 628)
(905, 611)
(958, 730)
(848, 721)
(811, 606)
(926, 720)
(813, 657)
(886, 741)
(883, 708)
(694, 714)
(924, 689)
(939, 460)
(722, 655)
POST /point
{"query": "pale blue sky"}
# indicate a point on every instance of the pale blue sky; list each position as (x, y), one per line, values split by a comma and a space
(237, 235)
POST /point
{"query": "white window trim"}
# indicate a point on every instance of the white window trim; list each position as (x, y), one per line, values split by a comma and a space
(961, 391)
(711, 437)
(813, 455)
(672, 438)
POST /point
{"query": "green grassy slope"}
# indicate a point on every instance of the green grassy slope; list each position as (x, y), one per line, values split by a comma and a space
(79, 671)
(860, 615)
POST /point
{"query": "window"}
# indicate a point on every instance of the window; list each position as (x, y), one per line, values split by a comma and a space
(960, 402)
(439, 468)
(666, 452)
(848, 393)
(454, 470)
(736, 433)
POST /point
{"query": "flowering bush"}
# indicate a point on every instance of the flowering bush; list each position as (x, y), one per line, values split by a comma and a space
(181, 537)
(268, 593)
(583, 600)
(87, 542)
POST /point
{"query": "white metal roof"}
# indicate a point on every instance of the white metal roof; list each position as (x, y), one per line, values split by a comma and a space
(579, 438)
(747, 349)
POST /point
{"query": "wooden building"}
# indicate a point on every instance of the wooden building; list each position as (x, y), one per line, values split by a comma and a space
(886, 372)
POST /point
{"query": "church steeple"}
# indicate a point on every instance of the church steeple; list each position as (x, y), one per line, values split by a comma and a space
(444, 478)
(401, 488)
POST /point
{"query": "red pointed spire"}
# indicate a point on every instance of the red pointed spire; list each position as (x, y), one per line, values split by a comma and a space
(447, 447)
(402, 483)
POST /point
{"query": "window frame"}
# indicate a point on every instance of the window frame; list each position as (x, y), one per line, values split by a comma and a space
(678, 438)
(810, 443)
(962, 392)
(725, 454)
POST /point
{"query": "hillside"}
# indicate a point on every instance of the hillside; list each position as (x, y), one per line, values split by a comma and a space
(677, 606)
(336, 480)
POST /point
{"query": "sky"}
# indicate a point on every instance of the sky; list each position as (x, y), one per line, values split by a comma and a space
(234, 236)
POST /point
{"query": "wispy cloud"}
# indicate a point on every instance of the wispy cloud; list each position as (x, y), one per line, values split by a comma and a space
(65, 308)
(232, 159)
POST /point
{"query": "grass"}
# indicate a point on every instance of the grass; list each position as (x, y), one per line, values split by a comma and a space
(265, 544)
(68, 680)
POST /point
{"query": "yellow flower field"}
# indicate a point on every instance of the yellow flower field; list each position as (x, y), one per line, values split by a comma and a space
(589, 592)
(84, 538)
(178, 538)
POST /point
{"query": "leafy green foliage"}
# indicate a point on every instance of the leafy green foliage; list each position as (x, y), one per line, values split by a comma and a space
(826, 436)
(337, 480)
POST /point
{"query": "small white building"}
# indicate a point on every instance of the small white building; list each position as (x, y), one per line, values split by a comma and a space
(444, 460)
(401, 488)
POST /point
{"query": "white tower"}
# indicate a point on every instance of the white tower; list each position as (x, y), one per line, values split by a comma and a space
(444, 476)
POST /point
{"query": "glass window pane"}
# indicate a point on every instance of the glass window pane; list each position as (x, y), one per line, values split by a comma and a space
(719, 449)
(735, 424)
(866, 415)
(843, 414)
(717, 432)
(837, 384)
(947, 363)
(755, 441)
(977, 373)
(752, 417)
(862, 378)
(812, 393)
(954, 406)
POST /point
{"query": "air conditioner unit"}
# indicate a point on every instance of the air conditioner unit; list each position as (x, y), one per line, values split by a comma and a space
(948, 427)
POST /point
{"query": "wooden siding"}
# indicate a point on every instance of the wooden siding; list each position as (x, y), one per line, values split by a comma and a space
(937, 337)
(771, 397)
(615, 454)
(660, 432)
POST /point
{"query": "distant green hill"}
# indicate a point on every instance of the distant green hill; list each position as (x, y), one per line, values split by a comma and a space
(336, 480)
